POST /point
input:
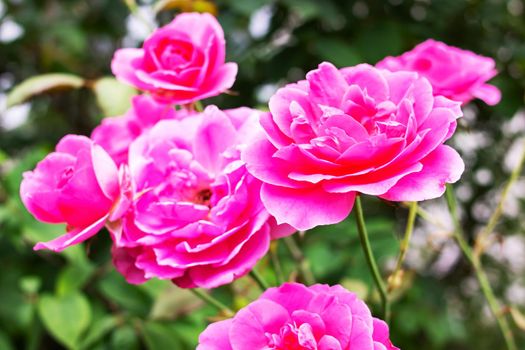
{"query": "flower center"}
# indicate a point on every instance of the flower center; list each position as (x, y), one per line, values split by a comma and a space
(292, 337)
(203, 197)
(67, 173)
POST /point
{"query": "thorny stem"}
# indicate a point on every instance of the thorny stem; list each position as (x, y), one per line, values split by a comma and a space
(369, 255)
(484, 283)
(259, 279)
(302, 263)
(481, 240)
(393, 280)
(207, 298)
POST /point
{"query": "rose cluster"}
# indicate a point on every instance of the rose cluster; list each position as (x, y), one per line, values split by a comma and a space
(195, 196)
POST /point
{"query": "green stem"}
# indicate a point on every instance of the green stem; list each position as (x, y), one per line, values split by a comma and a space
(198, 106)
(276, 263)
(483, 281)
(370, 259)
(394, 279)
(481, 240)
(301, 262)
(207, 298)
(259, 280)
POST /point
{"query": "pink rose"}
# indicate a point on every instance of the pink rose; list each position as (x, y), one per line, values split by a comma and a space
(293, 316)
(358, 129)
(78, 185)
(197, 217)
(181, 62)
(115, 134)
(454, 73)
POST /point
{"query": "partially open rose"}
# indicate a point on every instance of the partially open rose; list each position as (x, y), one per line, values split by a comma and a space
(78, 185)
(181, 62)
(458, 74)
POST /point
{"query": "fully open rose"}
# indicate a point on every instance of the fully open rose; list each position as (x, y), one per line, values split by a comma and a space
(458, 74)
(197, 217)
(358, 129)
(294, 316)
(181, 62)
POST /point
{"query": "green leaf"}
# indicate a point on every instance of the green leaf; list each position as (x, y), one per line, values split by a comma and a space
(5, 344)
(65, 317)
(42, 83)
(73, 277)
(173, 302)
(129, 297)
(124, 338)
(305, 9)
(246, 8)
(113, 97)
(97, 331)
(160, 336)
(36, 231)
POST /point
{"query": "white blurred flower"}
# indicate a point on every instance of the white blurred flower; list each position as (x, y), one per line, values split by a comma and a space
(139, 26)
(515, 293)
(514, 154)
(511, 252)
(516, 125)
(10, 30)
(265, 91)
(260, 22)
(12, 118)
(470, 142)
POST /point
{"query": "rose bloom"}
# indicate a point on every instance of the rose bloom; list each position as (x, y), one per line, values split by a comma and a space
(181, 62)
(458, 74)
(115, 134)
(197, 217)
(294, 316)
(78, 185)
(358, 129)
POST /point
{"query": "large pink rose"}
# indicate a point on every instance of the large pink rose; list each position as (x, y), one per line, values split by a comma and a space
(181, 62)
(458, 74)
(115, 134)
(197, 217)
(293, 316)
(358, 129)
(78, 185)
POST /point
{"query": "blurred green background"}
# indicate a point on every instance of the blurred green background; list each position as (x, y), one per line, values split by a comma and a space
(76, 300)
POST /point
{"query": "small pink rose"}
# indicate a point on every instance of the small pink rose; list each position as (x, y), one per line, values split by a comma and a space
(294, 316)
(354, 130)
(458, 74)
(181, 62)
(78, 185)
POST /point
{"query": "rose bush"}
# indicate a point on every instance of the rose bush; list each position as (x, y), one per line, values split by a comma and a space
(460, 75)
(78, 185)
(294, 316)
(197, 217)
(357, 129)
(181, 62)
